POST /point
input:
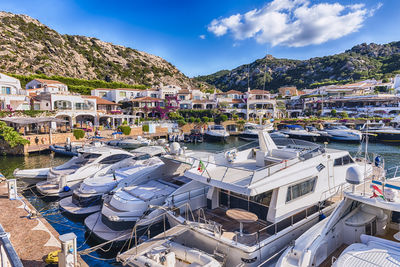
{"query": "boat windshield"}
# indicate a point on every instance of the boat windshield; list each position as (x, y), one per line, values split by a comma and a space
(338, 127)
(294, 127)
(217, 127)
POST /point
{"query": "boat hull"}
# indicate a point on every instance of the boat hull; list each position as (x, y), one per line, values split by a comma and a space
(310, 138)
(68, 206)
(59, 150)
(392, 138)
(215, 138)
(32, 176)
(248, 137)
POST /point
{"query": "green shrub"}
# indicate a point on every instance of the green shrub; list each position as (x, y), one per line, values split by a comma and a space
(191, 119)
(211, 119)
(197, 120)
(146, 128)
(333, 112)
(125, 122)
(78, 133)
(125, 129)
(181, 122)
(221, 118)
(205, 119)
(235, 116)
(12, 137)
(344, 114)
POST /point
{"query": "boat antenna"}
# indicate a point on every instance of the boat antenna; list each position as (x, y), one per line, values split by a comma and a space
(366, 151)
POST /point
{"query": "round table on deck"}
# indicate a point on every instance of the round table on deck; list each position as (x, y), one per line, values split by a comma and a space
(242, 216)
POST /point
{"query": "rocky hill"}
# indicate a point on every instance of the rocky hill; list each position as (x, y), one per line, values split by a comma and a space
(360, 62)
(29, 47)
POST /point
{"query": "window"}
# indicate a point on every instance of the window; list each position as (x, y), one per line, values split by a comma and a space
(8, 90)
(182, 97)
(122, 94)
(153, 95)
(343, 161)
(300, 189)
(263, 198)
(114, 158)
(258, 96)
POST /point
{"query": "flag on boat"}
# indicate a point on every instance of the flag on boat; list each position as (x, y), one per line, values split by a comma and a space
(380, 194)
(201, 167)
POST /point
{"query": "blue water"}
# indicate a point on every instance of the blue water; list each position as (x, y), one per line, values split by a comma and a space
(65, 225)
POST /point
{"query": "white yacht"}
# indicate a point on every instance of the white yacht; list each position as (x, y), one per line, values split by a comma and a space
(63, 179)
(131, 143)
(364, 230)
(250, 132)
(87, 199)
(131, 200)
(340, 132)
(298, 132)
(216, 133)
(277, 192)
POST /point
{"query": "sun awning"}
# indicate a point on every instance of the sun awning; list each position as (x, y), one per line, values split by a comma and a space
(29, 120)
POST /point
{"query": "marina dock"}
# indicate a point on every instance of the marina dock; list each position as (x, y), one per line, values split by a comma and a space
(32, 238)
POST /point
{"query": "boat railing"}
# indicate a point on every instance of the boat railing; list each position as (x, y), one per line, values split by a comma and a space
(8, 255)
(190, 194)
(392, 172)
(251, 239)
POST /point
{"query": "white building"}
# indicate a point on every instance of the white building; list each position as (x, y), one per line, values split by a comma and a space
(49, 86)
(12, 96)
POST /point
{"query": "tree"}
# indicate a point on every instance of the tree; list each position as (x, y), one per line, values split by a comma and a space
(191, 119)
(221, 118)
(240, 123)
(344, 114)
(181, 122)
(12, 137)
(205, 119)
(78, 133)
(197, 120)
(333, 112)
(146, 128)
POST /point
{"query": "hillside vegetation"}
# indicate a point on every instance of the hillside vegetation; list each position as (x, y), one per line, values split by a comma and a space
(360, 62)
(28, 47)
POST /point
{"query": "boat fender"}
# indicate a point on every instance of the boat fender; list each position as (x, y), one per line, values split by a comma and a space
(378, 161)
(66, 188)
(321, 216)
(52, 257)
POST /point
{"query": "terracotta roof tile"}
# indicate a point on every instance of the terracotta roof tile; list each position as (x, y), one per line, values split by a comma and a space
(99, 100)
(48, 81)
(146, 99)
(259, 92)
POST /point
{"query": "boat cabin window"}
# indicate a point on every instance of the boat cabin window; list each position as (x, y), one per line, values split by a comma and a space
(90, 156)
(300, 189)
(217, 127)
(114, 158)
(343, 161)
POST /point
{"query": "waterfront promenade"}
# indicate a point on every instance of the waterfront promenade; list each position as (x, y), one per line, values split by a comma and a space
(32, 239)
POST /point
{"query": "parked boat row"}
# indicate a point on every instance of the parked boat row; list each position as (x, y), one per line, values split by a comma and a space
(241, 206)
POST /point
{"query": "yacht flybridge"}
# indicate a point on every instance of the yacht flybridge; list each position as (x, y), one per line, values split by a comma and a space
(61, 180)
(364, 230)
(88, 197)
(261, 199)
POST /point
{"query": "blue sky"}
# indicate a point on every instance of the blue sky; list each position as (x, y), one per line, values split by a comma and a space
(203, 36)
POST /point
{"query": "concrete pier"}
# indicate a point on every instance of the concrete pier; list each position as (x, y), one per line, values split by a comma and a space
(32, 239)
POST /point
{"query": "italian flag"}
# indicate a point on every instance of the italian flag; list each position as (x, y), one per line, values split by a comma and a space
(201, 166)
(380, 194)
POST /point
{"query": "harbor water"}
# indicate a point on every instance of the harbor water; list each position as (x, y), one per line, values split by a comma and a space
(62, 224)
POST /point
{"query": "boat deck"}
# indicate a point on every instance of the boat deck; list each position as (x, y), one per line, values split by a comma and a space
(129, 255)
(230, 227)
(328, 262)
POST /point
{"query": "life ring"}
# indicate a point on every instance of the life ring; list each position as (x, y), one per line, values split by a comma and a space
(231, 156)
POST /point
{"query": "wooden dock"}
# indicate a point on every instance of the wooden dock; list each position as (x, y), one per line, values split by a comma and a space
(32, 239)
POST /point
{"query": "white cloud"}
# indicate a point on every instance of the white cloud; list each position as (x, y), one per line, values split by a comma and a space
(294, 23)
(202, 37)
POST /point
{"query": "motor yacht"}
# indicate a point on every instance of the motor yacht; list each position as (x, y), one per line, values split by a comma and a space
(216, 133)
(277, 192)
(250, 132)
(378, 131)
(63, 179)
(298, 132)
(131, 200)
(364, 230)
(340, 132)
(87, 199)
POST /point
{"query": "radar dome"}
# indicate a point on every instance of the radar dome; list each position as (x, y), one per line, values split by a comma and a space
(354, 175)
(175, 148)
